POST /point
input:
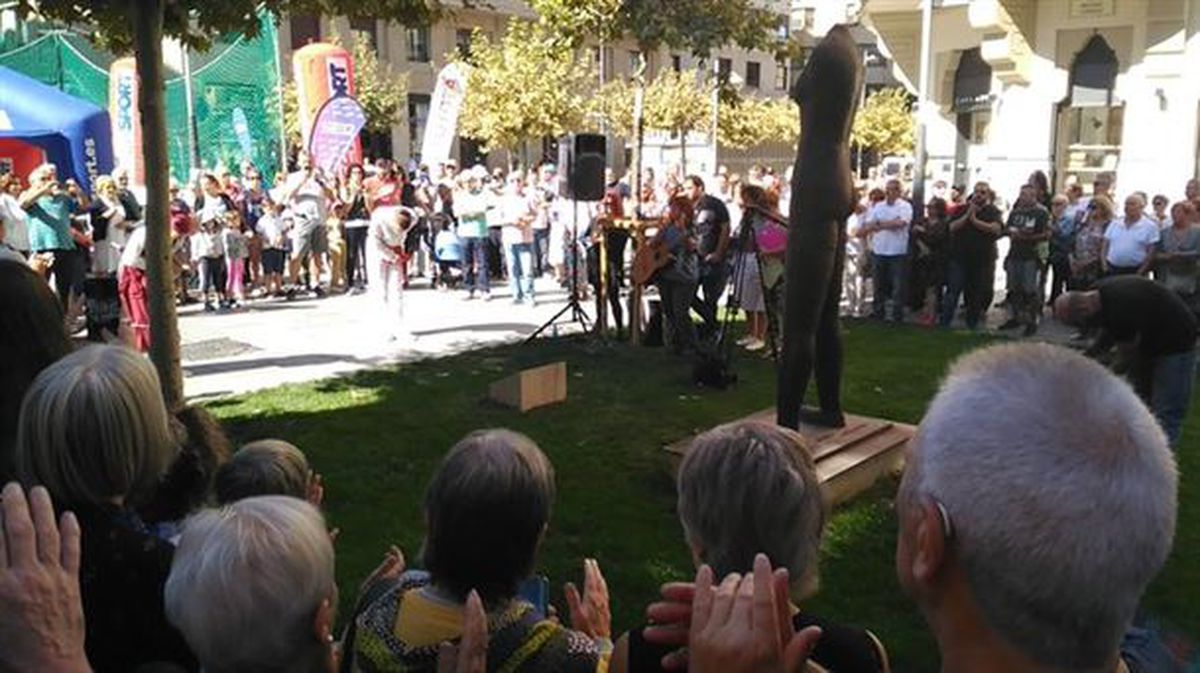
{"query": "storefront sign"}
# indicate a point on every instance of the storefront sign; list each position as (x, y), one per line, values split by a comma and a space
(1090, 8)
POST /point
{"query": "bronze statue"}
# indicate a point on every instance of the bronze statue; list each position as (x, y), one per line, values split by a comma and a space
(822, 198)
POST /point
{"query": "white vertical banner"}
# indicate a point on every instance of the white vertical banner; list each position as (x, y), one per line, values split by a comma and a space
(444, 108)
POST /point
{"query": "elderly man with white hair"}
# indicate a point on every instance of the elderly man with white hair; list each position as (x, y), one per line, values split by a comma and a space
(1130, 241)
(51, 205)
(1038, 503)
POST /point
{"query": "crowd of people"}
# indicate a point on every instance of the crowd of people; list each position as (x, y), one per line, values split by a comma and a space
(378, 225)
(945, 262)
(134, 538)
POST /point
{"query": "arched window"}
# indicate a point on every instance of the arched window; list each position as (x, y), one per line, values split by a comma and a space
(1094, 74)
(1091, 118)
(973, 111)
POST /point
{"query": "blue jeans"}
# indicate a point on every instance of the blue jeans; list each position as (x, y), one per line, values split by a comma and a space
(520, 270)
(890, 274)
(475, 264)
(1172, 392)
(541, 251)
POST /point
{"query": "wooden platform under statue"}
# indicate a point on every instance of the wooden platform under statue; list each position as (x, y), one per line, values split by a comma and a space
(849, 460)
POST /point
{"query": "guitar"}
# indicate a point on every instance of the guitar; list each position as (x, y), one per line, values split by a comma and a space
(651, 258)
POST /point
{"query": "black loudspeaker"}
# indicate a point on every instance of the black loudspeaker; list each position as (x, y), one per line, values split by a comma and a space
(581, 161)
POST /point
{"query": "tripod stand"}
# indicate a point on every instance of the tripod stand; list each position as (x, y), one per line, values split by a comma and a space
(578, 315)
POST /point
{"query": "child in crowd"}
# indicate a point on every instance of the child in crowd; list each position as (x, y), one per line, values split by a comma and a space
(208, 251)
(337, 250)
(237, 250)
(270, 229)
(267, 467)
(448, 252)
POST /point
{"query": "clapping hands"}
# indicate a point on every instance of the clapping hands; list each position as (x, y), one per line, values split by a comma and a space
(41, 625)
(744, 624)
(590, 613)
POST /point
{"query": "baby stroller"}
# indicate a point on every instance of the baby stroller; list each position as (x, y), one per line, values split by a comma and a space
(447, 252)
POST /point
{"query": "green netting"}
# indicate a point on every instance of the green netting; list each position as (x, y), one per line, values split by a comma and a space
(234, 89)
(64, 61)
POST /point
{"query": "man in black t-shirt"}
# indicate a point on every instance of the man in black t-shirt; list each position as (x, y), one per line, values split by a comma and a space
(973, 233)
(1028, 226)
(1154, 332)
(712, 228)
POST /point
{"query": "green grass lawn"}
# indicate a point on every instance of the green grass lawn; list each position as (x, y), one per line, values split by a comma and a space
(377, 437)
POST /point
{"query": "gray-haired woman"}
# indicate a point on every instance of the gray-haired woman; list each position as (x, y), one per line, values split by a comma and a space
(93, 430)
(235, 616)
(747, 488)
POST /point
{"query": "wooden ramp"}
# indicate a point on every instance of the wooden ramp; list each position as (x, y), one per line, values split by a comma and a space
(849, 460)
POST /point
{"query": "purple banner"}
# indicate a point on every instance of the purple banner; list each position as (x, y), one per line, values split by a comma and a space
(334, 130)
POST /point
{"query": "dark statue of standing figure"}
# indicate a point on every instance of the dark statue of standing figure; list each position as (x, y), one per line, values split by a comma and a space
(822, 198)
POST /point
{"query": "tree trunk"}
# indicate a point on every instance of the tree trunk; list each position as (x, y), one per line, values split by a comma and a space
(164, 328)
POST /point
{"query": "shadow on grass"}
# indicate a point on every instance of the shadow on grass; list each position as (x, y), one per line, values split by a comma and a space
(378, 435)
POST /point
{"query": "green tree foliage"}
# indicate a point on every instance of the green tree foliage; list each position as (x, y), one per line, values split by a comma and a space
(675, 102)
(382, 92)
(885, 123)
(197, 23)
(699, 26)
(750, 122)
(525, 86)
(291, 115)
(139, 27)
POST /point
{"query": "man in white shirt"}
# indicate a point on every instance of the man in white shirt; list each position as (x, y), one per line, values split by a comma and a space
(888, 228)
(1129, 242)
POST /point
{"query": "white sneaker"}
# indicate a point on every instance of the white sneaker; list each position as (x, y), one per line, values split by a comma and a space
(746, 340)
(756, 345)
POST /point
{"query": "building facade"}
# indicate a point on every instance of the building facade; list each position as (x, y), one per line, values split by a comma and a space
(422, 52)
(1070, 87)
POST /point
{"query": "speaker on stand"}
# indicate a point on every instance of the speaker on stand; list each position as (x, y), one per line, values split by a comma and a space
(582, 158)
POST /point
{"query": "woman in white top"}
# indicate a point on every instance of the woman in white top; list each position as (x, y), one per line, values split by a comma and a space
(132, 287)
(109, 227)
(386, 255)
(16, 221)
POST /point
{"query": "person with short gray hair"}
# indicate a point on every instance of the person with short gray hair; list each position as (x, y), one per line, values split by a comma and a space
(252, 588)
(93, 430)
(1038, 503)
(263, 467)
(749, 488)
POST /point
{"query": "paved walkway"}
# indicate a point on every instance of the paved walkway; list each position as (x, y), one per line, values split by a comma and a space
(274, 341)
(269, 342)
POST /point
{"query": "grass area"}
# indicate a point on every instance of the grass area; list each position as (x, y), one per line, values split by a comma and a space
(377, 437)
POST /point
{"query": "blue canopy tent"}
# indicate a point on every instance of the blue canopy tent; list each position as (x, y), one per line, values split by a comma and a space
(75, 135)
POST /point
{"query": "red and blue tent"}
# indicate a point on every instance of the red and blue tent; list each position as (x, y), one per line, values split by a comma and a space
(39, 123)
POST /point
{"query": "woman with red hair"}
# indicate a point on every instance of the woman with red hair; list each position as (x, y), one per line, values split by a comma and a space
(677, 281)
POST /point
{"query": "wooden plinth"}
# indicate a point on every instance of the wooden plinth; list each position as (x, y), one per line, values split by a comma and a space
(532, 388)
(849, 460)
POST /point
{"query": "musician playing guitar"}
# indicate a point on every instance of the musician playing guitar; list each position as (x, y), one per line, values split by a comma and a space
(677, 280)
